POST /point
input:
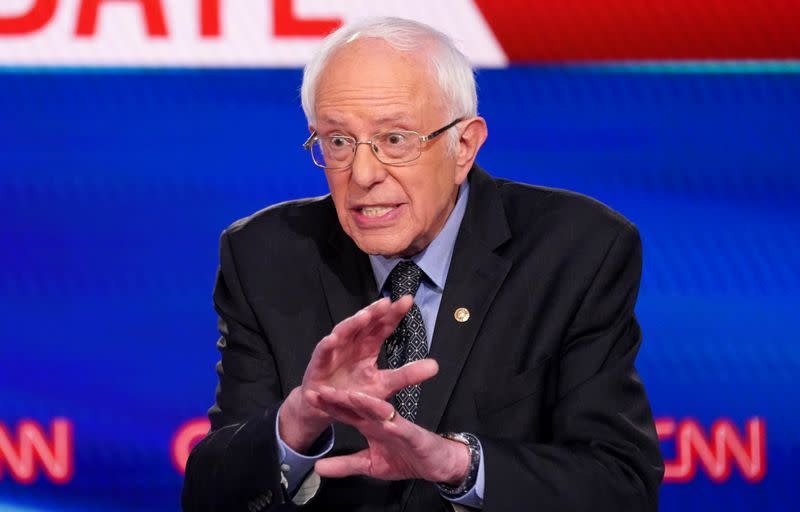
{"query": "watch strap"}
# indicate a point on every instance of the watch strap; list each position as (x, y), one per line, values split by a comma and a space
(474, 462)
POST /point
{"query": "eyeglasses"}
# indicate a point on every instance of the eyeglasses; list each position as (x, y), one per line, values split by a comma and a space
(397, 147)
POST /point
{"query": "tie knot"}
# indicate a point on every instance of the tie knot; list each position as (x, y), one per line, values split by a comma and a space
(404, 279)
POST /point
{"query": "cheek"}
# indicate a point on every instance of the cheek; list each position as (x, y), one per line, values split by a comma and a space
(431, 199)
(337, 185)
(338, 189)
(334, 183)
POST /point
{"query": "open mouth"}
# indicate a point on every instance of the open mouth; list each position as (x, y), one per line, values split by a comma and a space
(376, 211)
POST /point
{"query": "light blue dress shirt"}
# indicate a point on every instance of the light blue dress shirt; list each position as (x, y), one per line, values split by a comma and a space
(434, 261)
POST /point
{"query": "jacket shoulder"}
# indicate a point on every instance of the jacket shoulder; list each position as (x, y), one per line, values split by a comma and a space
(555, 209)
(286, 221)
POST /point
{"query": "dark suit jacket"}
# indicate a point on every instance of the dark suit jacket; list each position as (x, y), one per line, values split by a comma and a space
(542, 372)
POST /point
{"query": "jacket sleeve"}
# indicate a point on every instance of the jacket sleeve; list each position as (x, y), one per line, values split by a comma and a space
(604, 453)
(238, 459)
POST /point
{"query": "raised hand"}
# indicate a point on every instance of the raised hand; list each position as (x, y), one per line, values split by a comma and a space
(398, 449)
(346, 359)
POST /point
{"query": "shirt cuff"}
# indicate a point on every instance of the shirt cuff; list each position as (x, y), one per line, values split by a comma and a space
(295, 466)
(472, 497)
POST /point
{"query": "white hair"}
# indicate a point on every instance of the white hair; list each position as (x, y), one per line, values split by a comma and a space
(451, 69)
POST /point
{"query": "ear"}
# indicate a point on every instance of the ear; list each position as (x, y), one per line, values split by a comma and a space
(473, 134)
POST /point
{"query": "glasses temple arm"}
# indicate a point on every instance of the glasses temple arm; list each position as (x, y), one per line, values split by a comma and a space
(310, 140)
(426, 138)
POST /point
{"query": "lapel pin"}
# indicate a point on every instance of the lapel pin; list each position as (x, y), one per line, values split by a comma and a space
(461, 315)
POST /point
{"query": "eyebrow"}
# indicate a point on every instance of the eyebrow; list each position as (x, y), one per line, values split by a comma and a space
(331, 120)
(393, 118)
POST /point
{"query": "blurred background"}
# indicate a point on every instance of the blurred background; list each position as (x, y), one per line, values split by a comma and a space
(132, 132)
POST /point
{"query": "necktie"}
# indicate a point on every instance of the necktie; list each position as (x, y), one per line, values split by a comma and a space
(408, 342)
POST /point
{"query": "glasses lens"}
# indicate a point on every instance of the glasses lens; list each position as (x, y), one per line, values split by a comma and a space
(397, 147)
(317, 154)
(332, 152)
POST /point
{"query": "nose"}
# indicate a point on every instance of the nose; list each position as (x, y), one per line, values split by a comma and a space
(366, 169)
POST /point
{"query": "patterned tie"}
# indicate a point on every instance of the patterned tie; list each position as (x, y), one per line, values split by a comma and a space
(408, 342)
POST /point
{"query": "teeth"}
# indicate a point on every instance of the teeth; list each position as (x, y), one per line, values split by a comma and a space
(376, 211)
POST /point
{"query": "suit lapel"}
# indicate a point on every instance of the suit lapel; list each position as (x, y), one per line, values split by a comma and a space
(346, 275)
(476, 273)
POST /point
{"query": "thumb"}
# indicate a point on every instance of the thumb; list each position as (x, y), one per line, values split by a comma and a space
(410, 374)
(345, 465)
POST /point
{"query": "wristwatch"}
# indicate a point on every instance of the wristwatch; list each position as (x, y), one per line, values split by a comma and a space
(474, 461)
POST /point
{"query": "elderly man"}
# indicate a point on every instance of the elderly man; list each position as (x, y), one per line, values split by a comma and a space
(506, 382)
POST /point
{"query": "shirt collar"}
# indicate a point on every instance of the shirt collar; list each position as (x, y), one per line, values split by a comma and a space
(434, 260)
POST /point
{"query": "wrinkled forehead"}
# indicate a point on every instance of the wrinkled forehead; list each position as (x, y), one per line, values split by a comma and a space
(369, 74)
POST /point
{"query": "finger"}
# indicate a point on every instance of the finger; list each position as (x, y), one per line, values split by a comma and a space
(323, 352)
(340, 399)
(404, 303)
(383, 316)
(352, 325)
(332, 407)
(385, 324)
(372, 408)
(409, 374)
(344, 465)
(311, 399)
(349, 328)
(397, 431)
(366, 413)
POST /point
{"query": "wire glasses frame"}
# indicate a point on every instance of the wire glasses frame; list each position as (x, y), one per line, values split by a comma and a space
(395, 147)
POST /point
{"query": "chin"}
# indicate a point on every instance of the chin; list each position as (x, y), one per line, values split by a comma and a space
(379, 246)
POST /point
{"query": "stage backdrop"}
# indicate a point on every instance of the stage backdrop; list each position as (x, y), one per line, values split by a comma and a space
(132, 133)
